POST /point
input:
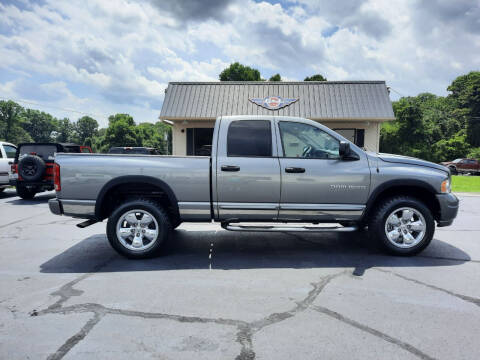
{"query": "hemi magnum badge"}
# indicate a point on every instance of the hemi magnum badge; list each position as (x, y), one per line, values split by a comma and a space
(273, 102)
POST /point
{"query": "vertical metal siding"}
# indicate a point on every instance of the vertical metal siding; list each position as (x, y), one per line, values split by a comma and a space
(318, 100)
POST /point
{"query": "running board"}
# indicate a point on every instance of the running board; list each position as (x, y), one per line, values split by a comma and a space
(86, 223)
(281, 228)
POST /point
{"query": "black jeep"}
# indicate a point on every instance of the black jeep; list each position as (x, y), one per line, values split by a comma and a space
(32, 169)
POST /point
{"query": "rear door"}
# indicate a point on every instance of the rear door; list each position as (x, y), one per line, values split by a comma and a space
(248, 170)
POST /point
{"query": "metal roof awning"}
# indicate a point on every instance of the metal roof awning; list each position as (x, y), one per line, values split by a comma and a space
(316, 100)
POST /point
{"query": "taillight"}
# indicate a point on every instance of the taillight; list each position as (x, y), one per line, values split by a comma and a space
(56, 177)
(13, 168)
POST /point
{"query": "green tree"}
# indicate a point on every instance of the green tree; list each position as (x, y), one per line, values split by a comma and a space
(65, 131)
(121, 131)
(275, 77)
(316, 77)
(239, 72)
(453, 148)
(465, 92)
(121, 117)
(39, 125)
(474, 153)
(10, 120)
(97, 143)
(86, 127)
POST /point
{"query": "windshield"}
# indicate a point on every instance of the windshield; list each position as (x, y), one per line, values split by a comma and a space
(456, 161)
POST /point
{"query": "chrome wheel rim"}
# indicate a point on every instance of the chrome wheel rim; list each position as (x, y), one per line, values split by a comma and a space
(137, 230)
(405, 227)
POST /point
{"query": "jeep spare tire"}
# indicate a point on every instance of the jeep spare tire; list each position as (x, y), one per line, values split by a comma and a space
(31, 168)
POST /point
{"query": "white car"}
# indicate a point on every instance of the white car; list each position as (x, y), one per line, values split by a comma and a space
(7, 155)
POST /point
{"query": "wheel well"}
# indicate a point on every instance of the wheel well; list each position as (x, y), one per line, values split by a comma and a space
(120, 193)
(422, 194)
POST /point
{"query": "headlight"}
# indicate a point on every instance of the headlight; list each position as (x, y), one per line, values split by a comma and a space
(446, 188)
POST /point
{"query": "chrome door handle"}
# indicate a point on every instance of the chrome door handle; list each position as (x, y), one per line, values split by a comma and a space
(294, 170)
(230, 168)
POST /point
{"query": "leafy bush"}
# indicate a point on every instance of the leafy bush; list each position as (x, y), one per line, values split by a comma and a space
(474, 153)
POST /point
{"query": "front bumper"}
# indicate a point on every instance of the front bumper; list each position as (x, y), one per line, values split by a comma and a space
(449, 205)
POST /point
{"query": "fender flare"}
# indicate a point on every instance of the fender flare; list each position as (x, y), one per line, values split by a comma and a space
(398, 183)
(134, 179)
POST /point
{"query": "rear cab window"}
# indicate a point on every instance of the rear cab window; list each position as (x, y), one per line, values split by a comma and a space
(249, 138)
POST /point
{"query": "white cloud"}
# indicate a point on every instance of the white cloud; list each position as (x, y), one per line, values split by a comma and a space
(119, 55)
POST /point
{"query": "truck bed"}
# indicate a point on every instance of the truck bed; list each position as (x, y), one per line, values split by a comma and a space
(84, 175)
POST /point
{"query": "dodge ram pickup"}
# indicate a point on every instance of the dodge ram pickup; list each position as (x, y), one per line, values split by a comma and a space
(262, 169)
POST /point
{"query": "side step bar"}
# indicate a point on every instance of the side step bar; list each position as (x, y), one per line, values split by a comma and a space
(284, 228)
(86, 223)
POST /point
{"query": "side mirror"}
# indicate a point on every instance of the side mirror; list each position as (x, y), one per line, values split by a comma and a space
(344, 149)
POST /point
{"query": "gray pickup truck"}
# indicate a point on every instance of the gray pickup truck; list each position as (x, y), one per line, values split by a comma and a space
(263, 169)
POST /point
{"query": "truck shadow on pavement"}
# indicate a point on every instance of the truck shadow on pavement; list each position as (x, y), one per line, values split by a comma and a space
(233, 251)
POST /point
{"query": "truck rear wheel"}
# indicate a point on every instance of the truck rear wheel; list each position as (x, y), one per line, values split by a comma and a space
(402, 225)
(138, 229)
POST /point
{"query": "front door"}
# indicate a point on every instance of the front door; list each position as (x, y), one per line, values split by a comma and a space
(248, 171)
(316, 183)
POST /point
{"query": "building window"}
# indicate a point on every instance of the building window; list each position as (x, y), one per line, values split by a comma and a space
(249, 138)
(199, 141)
(356, 136)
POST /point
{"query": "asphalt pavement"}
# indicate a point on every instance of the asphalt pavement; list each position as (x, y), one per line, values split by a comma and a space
(214, 294)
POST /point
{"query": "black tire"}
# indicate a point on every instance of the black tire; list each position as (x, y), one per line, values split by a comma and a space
(158, 213)
(31, 168)
(25, 193)
(377, 221)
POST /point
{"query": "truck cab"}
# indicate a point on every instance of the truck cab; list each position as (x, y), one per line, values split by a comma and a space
(286, 169)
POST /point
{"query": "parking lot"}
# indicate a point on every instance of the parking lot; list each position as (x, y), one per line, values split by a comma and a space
(64, 293)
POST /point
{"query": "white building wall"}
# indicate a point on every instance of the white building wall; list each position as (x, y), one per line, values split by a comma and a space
(179, 138)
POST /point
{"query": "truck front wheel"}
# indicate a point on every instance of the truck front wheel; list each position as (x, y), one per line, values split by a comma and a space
(138, 229)
(402, 225)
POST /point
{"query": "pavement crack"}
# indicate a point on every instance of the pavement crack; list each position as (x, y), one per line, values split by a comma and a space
(75, 339)
(300, 305)
(245, 330)
(470, 299)
(405, 346)
(67, 291)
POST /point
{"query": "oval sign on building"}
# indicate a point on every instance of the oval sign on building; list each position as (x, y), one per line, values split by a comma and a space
(273, 102)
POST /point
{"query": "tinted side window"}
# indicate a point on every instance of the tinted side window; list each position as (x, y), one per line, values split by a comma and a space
(249, 138)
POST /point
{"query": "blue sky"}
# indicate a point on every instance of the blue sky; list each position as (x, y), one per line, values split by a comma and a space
(105, 57)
